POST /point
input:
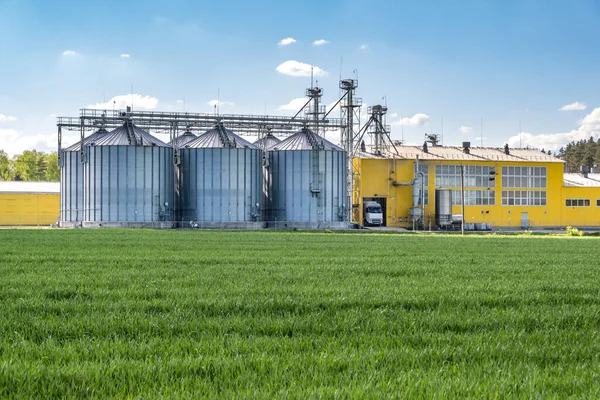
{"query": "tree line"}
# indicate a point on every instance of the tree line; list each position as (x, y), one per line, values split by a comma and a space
(31, 165)
(578, 154)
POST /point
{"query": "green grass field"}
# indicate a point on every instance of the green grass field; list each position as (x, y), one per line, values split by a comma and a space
(147, 314)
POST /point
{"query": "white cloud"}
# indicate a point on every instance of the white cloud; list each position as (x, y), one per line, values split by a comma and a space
(220, 103)
(180, 101)
(286, 41)
(577, 106)
(125, 56)
(14, 142)
(294, 104)
(297, 68)
(320, 42)
(590, 126)
(364, 46)
(333, 136)
(122, 101)
(7, 118)
(415, 120)
(394, 115)
(69, 53)
(465, 129)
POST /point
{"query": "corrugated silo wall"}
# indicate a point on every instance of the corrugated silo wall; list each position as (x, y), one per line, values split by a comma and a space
(129, 184)
(221, 185)
(71, 187)
(306, 186)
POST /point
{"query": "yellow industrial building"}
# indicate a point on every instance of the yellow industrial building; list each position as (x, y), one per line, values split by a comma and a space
(29, 203)
(517, 188)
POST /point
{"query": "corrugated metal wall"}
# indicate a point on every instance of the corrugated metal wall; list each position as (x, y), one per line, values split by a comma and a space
(306, 185)
(71, 187)
(129, 183)
(221, 184)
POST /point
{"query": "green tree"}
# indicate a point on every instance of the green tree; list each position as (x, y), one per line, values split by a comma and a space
(589, 152)
(597, 156)
(30, 166)
(52, 173)
(6, 168)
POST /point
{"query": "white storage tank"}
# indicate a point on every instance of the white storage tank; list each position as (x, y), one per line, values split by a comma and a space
(443, 208)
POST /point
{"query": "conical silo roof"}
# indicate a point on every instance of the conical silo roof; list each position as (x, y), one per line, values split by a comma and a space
(90, 139)
(183, 139)
(217, 138)
(267, 142)
(129, 135)
(305, 139)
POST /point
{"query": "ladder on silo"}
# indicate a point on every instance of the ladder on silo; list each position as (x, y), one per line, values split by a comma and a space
(225, 139)
(132, 136)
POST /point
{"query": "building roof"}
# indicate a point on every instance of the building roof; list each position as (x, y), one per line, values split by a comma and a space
(219, 137)
(305, 139)
(123, 135)
(592, 180)
(267, 142)
(183, 139)
(30, 187)
(449, 153)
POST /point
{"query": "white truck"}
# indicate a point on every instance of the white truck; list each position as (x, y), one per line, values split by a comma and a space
(372, 213)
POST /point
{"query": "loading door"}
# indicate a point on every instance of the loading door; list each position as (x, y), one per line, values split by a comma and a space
(383, 203)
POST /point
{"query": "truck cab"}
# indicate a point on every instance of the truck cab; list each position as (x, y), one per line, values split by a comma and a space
(372, 213)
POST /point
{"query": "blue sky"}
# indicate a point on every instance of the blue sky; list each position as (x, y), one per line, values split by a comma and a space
(508, 63)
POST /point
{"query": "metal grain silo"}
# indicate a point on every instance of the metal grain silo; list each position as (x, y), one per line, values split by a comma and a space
(221, 181)
(267, 141)
(183, 139)
(308, 183)
(128, 180)
(264, 144)
(71, 181)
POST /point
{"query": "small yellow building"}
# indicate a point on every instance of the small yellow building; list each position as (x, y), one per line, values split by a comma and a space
(29, 203)
(518, 188)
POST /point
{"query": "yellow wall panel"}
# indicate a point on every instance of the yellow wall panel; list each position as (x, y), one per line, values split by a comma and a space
(17, 209)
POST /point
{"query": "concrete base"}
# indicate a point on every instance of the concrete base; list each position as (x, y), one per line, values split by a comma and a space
(69, 224)
(123, 224)
(241, 225)
(308, 225)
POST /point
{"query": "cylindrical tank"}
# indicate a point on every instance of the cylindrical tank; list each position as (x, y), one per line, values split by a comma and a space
(308, 183)
(128, 179)
(221, 181)
(443, 207)
(71, 180)
(267, 141)
(183, 139)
